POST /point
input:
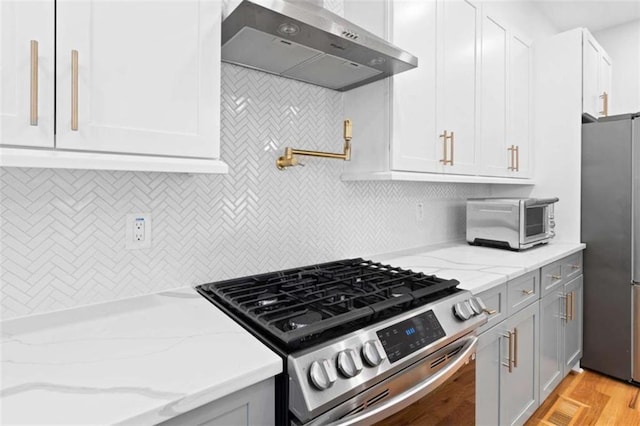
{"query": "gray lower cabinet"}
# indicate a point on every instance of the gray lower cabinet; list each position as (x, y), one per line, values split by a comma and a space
(253, 405)
(530, 345)
(488, 366)
(519, 384)
(552, 323)
(573, 326)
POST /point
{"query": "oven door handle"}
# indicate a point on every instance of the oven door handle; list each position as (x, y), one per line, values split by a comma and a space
(408, 397)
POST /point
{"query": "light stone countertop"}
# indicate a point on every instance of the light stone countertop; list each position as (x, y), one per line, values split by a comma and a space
(478, 268)
(141, 360)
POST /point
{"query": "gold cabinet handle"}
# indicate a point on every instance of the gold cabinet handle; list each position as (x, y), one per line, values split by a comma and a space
(33, 113)
(517, 158)
(509, 363)
(567, 307)
(447, 137)
(527, 292)
(74, 90)
(555, 277)
(515, 348)
(490, 311)
(512, 160)
(605, 104)
(452, 140)
(575, 266)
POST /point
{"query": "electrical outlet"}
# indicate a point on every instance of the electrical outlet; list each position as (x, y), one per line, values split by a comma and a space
(138, 231)
(419, 212)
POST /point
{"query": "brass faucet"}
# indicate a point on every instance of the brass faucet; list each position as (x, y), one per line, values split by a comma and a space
(288, 159)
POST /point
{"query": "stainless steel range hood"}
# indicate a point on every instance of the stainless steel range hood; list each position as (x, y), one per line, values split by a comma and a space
(308, 43)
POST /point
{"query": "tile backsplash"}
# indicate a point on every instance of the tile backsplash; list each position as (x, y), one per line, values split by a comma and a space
(63, 231)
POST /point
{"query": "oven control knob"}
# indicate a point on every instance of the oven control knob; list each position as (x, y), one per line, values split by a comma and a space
(462, 310)
(349, 363)
(373, 352)
(477, 306)
(322, 374)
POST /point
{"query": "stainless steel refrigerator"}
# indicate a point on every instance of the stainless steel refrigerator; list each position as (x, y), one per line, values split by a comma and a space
(611, 230)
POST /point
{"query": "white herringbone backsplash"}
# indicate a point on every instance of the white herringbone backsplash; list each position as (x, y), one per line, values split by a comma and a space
(63, 231)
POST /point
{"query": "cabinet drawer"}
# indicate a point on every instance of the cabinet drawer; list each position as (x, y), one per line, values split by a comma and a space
(495, 300)
(571, 266)
(523, 291)
(551, 277)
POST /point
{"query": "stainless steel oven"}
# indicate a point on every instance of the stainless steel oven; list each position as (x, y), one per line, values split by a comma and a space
(512, 223)
(361, 341)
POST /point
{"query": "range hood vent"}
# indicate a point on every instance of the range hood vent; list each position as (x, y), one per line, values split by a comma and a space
(308, 43)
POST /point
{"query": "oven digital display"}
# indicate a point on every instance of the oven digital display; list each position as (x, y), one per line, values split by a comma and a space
(410, 335)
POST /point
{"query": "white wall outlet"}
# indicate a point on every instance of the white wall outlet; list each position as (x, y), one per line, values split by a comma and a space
(138, 231)
(419, 212)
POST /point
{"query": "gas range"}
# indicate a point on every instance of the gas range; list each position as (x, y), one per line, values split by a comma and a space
(345, 329)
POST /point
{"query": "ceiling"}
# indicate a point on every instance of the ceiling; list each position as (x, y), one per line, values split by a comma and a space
(595, 15)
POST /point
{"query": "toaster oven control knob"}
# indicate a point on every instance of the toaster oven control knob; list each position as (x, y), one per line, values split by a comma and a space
(462, 310)
(373, 352)
(322, 374)
(349, 363)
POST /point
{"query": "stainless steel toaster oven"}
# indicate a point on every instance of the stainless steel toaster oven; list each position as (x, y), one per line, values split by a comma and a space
(511, 223)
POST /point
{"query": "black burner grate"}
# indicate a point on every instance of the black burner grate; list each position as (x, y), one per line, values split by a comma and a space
(304, 305)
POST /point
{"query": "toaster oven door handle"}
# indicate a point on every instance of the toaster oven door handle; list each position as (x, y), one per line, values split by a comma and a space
(413, 394)
(532, 202)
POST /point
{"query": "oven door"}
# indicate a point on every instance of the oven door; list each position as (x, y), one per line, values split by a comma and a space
(439, 389)
(535, 220)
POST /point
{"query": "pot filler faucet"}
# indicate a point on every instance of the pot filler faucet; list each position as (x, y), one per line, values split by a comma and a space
(288, 159)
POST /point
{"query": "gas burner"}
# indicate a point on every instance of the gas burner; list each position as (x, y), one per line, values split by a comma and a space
(304, 320)
(400, 291)
(266, 300)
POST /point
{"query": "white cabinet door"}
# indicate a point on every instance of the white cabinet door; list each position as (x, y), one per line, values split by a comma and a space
(414, 144)
(493, 137)
(26, 72)
(604, 83)
(457, 96)
(519, 129)
(590, 63)
(148, 76)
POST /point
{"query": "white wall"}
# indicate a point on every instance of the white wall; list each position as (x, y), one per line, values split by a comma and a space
(622, 43)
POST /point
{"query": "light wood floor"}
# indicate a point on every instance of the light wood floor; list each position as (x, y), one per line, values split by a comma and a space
(589, 399)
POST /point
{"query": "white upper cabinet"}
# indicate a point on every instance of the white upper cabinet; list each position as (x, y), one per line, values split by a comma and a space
(27, 73)
(147, 77)
(519, 129)
(449, 119)
(414, 92)
(132, 77)
(457, 97)
(596, 77)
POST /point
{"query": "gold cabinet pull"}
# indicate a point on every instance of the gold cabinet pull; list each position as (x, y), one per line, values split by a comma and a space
(517, 158)
(515, 348)
(509, 363)
(575, 266)
(33, 113)
(74, 90)
(512, 159)
(527, 292)
(555, 277)
(447, 137)
(490, 311)
(567, 307)
(605, 104)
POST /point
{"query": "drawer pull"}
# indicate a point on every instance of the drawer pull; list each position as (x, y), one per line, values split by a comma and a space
(490, 311)
(555, 277)
(575, 266)
(527, 292)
